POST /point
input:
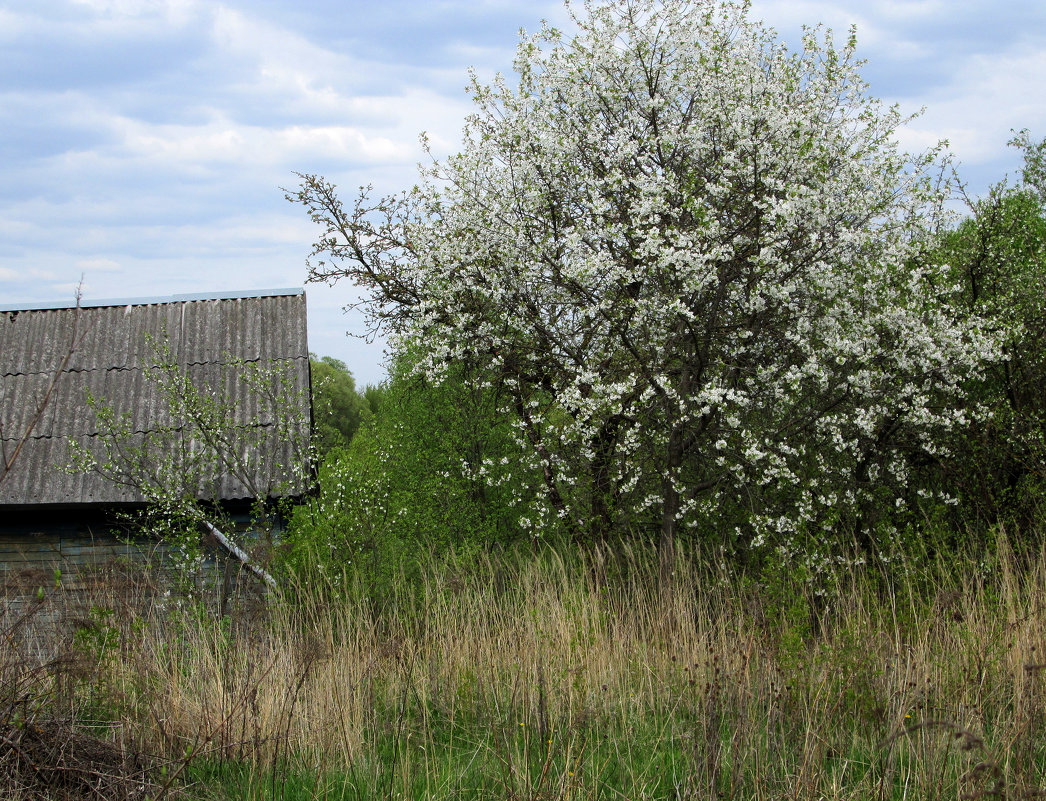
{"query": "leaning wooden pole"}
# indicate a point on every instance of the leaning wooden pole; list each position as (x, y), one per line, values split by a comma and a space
(237, 552)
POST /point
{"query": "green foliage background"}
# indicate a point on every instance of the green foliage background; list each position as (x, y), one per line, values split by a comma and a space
(337, 408)
(423, 474)
(997, 466)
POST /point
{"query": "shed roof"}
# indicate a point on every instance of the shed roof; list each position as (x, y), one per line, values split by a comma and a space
(214, 340)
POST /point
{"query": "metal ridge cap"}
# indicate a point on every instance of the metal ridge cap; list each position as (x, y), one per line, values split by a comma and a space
(155, 300)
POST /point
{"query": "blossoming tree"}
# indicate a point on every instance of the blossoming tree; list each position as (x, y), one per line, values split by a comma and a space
(690, 259)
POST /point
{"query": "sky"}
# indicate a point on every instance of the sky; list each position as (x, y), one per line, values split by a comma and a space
(144, 143)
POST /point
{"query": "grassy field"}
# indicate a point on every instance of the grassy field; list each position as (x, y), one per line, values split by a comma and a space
(552, 678)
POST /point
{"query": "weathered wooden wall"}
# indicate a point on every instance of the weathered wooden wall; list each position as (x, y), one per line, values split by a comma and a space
(69, 548)
(79, 543)
(91, 548)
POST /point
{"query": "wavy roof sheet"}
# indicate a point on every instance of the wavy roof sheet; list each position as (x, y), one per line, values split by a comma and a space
(246, 353)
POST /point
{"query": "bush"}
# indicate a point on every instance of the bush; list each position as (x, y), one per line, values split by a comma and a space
(998, 256)
(427, 474)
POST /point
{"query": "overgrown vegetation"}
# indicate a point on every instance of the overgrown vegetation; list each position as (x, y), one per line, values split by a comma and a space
(711, 464)
(432, 467)
(562, 675)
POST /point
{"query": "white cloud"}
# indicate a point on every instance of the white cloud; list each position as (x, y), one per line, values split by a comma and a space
(168, 10)
(281, 58)
(70, 289)
(12, 25)
(98, 265)
(242, 232)
(987, 97)
(230, 143)
(235, 144)
(884, 28)
(107, 23)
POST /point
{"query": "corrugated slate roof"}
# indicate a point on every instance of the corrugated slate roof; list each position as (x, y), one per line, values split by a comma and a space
(216, 341)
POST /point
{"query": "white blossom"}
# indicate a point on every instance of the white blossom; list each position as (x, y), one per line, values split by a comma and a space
(688, 256)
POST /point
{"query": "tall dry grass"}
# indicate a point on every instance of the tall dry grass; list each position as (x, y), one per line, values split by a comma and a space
(585, 677)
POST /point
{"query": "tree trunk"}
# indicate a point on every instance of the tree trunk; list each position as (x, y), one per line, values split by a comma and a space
(670, 505)
(600, 511)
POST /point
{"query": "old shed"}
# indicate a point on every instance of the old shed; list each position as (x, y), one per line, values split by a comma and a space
(208, 394)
